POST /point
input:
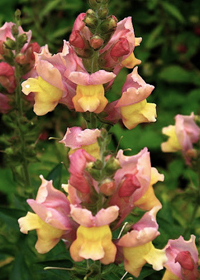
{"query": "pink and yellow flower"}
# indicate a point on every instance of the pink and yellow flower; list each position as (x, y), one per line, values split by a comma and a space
(94, 237)
(76, 138)
(119, 50)
(182, 136)
(134, 183)
(51, 219)
(50, 84)
(133, 105)
(137, 245)
(182, 263)
(90, 91)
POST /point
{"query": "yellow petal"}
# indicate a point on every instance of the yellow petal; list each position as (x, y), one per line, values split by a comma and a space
(89, 98)
(48, 236)
(29, 222)
(93, 243)
(136, 257)
(92, 149)
(172, 144)
(148, 200)
(46, 95)
(131, 61)
(137, 113)
(133, 258)
(156, 257)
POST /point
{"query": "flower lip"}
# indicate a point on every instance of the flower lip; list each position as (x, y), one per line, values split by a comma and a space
(85, 218)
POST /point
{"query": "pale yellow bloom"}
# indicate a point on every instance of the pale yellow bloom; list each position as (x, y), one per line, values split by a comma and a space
(93, 243)
(89, 98)
(136, 257)
(137, 113)
(46, 95)
(48, 236)
(172, 144)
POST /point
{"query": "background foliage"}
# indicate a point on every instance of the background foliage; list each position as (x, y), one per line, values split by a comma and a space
(170, 61)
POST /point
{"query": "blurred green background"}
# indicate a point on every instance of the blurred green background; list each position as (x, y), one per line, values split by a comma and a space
(170, 54)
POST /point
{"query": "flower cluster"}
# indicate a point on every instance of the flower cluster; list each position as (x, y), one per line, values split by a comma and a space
(68, 77)
(103, 189)
(100, 194)
(16, 50)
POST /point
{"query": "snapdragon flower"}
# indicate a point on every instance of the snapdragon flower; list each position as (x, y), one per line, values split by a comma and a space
(182, 136)
(137, 245)
(76, 138)
(133, 105)
(51, 218)
(133, 183)
(182, 263)
(94, 237)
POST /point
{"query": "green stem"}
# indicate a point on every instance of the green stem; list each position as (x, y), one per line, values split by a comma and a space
(19, 105)
(187, 231)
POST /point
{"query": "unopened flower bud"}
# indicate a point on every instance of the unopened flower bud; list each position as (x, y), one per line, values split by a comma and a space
(111, 166)
(10, 44)
(109, 24)
(120, 48)
(15, 30)
(9, 151)
(96, 42)
(90, 19)
(76, 40)
(17, 14)
(192, 153)
(20, 58)
(22, 39)
(107, 187)
(103, 12)
(93, 4)
(95, 173)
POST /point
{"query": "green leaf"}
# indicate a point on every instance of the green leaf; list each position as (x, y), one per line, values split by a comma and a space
(171, 9)
(7, 185)
(175, 74)
(20, 269)
(154, 37)
(52, 5)
(55, 174)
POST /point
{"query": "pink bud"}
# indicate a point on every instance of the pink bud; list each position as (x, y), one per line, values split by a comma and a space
(96, 42)
(120, 48)
(76, 40)
(107, 188)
